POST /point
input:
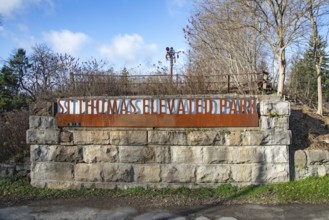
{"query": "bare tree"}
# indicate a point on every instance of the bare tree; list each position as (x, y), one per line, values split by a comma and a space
(219, 44)
(66, 65)
(49, 73)
(280, 23)
(315, 13)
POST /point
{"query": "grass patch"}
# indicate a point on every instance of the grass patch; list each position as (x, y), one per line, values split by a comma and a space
(310, 190)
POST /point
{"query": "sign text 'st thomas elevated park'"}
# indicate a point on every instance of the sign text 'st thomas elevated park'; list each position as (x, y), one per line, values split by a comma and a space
(157, 112)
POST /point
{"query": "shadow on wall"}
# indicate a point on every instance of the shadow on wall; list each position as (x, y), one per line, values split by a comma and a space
(304, 128)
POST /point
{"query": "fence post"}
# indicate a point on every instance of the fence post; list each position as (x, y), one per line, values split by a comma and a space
(265, 78)
(72, 84)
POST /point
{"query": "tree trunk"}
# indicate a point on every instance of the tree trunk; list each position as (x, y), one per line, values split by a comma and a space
(282, 71)
(320, 102)
(319, 85)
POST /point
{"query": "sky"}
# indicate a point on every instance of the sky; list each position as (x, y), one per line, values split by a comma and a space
(130, 33)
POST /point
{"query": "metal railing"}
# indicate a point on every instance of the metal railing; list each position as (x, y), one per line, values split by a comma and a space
(163, 84)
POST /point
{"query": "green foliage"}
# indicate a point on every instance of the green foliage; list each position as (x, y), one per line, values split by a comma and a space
(310, 190)
(8, 89)
(124, 72)
(226, 190)
(303, 79)
(11, 95)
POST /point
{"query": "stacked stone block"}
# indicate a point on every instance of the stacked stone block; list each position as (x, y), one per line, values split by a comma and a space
(161, 157)
(311, 163)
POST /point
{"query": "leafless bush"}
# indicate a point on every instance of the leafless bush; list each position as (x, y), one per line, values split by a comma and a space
(94, 84)
(13, 126)
(164, 84)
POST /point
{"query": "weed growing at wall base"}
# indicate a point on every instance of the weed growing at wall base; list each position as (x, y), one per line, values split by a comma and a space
(310, 190)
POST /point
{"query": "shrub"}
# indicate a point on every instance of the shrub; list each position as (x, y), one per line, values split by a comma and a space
(13, 126)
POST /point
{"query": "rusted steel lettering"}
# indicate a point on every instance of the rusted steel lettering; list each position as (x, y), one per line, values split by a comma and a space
(158, 112)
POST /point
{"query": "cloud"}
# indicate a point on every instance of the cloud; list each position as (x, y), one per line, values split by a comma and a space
(128, 48)
(174, 6)
(10, 7)
(23, 27)
(65, 41)
(7, 7)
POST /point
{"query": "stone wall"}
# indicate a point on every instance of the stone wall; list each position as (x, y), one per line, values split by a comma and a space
(311, 163)
(15, 168)
(74, 157)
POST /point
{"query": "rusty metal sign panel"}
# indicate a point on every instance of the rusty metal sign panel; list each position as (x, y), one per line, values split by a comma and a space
(157, 112)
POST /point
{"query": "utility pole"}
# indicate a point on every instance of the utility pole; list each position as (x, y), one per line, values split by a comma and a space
(171, 56)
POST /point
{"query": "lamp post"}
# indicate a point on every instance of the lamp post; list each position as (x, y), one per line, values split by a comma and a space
(171, 56)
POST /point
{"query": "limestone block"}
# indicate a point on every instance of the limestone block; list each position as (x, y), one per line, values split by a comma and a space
(247, 154)
(266, 137)
(177, 138)
(276, 137)
(55, 184)
(34, 122)
(147, 173)
(241, 172)
(251, 138)
(300, 159)
(217, 155)
(100, 153)
(232, 138)
(61, 185)
(118, 172)
(48, 122)
(161, 153)
(129, 137)
(180, 173)
(66, 137)
(41, 108)
(233, 155)
(278, 173)
(42, 122)
(136, 154)
(44, 136)
(213, 174)
(38, 183)
(276, 154)
(204, 138)
(52, 171)
(277, 123)
(7, 170)
(68, 154)
(323, 170)
(270, 173)
(186, 154)
(89, 172)
(55, 153)
(87, 137)
(304, 172)
(317, 157)
(144, 154)
(274, 108)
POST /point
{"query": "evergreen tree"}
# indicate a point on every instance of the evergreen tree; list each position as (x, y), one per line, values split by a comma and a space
(303, 80)
(8, 89)
(20, 66)
(124, 72)
(11, 93)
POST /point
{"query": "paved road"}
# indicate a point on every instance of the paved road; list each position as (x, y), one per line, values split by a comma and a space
(36, 211)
